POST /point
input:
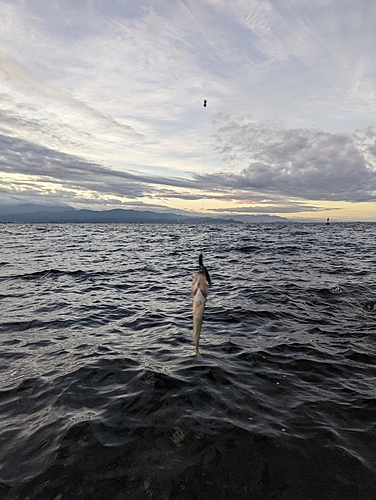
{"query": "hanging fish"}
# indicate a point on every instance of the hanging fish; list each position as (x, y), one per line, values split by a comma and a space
(205, 101)
(199, 292)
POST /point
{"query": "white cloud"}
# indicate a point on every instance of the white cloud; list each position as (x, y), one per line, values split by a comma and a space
(117, 86)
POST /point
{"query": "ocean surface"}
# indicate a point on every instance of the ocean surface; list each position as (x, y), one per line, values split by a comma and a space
(101, 396)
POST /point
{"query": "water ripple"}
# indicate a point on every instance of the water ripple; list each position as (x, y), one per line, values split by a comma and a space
(101, 396)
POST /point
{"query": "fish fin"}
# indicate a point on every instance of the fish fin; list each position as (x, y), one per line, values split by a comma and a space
(207, 276)
(204, 270)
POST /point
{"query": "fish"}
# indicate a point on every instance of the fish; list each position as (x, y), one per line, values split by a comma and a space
(199, 292)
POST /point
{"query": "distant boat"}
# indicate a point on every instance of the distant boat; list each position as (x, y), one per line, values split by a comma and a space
(327, 221)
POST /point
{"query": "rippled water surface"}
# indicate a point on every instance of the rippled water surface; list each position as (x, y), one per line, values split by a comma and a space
(101, 395)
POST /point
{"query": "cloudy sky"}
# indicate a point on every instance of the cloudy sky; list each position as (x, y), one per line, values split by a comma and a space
(101, 105)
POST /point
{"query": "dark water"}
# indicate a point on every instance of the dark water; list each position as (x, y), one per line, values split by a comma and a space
(101, 396)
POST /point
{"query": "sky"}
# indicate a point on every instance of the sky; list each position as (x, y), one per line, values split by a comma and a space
(101, 106)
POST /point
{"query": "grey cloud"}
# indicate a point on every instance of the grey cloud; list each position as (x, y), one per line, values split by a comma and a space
(301, 163)
(22, 157)
(290, 208)
(266, 164)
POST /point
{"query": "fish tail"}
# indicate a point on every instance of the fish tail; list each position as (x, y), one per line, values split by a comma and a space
(196, 334)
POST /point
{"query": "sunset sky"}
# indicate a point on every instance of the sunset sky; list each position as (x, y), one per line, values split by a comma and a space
(101, 105)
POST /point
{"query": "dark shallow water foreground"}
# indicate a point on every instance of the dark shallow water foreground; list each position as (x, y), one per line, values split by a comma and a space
(101, 396)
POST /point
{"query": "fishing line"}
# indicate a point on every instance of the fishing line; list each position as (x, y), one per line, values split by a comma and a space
(204, 153)
(203, 173)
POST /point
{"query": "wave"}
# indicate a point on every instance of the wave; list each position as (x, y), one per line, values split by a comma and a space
(101, 395)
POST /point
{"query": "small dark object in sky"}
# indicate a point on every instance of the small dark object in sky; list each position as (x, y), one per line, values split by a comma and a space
(205, 103)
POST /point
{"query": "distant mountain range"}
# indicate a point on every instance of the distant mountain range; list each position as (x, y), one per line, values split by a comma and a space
(31, 213)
